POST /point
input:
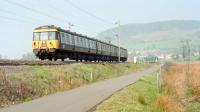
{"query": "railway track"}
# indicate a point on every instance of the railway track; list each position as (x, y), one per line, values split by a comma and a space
(30, 62)
(6, 62)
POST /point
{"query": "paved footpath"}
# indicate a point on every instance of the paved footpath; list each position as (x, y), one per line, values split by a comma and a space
(80, 99)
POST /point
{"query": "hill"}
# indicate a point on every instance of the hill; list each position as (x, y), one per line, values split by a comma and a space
(156, 35)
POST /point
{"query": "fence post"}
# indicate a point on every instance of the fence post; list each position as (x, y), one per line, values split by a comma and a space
(91, 76)
(159, 77)
(158, 82)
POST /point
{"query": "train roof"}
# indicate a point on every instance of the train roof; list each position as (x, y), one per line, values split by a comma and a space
(70, 32)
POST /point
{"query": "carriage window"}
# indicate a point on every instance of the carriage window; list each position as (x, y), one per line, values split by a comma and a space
(95, 45)
(76, 40)
(100, 46)
(86, 43)
(92, 44)
(67, 38)
(36, 36)
(62, 37)
(81, 41)
(71, 39)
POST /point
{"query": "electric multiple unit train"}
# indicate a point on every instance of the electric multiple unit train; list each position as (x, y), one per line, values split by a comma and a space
(52, 43)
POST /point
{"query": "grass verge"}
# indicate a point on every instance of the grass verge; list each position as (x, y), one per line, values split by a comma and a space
(138, 97)
(25, 83)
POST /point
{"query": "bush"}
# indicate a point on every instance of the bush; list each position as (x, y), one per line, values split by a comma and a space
(141, 99)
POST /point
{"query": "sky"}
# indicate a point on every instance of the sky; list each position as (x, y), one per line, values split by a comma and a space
(18, 18)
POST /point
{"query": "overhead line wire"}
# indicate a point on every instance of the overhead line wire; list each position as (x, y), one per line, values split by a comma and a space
(15, 19)
(12, 13)
(45, 14)
(34, 10)
(60, 10)
(88, 13)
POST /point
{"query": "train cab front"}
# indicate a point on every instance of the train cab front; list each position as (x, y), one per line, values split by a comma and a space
(45, 43)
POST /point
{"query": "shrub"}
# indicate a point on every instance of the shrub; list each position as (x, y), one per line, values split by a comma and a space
(141, 99)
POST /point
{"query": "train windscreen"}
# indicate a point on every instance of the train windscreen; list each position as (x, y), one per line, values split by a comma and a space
(44, 36)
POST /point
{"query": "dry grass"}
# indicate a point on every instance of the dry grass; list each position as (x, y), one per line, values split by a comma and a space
(194, 79)
(178, 84)
(177, 81)
(174, 78)
(12, 91)
(168, 104)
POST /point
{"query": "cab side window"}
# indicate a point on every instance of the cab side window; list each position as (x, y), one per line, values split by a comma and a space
(52, 35)
(36, 36)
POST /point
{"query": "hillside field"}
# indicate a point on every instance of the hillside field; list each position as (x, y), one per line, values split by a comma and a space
(157, 35)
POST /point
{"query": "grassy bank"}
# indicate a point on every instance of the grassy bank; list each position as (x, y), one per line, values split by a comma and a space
(179, 92)
(138, 97)
(24, 83)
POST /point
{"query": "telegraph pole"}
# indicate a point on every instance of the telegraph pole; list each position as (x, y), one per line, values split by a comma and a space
(188, 56)
(119, 26)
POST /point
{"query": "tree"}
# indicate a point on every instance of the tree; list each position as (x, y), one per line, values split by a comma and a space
(29, 56)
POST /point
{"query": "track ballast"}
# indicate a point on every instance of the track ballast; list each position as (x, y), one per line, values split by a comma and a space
(6, 62)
